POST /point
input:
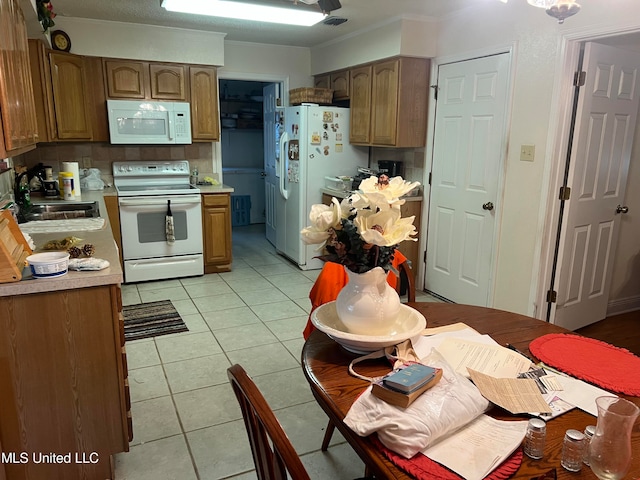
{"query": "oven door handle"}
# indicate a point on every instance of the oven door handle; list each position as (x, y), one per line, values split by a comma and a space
(160, 200)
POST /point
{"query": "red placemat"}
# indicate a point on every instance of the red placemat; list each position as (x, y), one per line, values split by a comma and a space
(613, 368)
(423, 468)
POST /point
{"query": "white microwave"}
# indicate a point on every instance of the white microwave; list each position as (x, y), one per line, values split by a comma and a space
(149, 122)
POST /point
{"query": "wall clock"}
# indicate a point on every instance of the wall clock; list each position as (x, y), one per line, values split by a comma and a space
(60, 41)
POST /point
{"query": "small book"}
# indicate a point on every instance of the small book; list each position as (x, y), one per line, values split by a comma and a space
(403, 399)
(409, 378)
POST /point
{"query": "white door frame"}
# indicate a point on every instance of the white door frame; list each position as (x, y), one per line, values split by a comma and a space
(283, 80)
(553, 176)
(436, 62)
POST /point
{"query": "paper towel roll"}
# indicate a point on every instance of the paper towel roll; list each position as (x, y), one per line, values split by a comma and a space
(75, 169)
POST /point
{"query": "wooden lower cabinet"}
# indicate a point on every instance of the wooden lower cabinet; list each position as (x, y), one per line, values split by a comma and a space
(63, 383)
(216, 230)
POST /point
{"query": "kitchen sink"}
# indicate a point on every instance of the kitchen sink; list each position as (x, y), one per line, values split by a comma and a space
(61, 211)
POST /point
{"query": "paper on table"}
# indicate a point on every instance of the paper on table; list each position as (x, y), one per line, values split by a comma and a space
(576, 392)
(516, 395)
(493, 360)
(424, 344)
(477, 449)
(454, 327)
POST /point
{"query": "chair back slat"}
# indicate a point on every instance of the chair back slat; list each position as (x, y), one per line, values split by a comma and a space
(273, 454)
(405, 269)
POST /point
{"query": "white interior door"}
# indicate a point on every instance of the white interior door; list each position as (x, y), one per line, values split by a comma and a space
(599, 163)
(271, 146)
(468, 152)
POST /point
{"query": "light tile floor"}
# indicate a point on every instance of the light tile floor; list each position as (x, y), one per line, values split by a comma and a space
(187, 423)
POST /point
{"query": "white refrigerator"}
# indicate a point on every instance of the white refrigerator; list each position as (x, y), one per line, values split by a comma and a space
(314, 144)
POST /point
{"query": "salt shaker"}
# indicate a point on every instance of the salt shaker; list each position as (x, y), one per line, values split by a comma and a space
(588, 434)
(535, 437)
(573, 450)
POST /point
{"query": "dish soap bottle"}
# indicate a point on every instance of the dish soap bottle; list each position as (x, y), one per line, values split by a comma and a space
(24, 197)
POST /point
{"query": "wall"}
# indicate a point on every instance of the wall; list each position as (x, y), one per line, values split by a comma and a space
(101, 38)
(538, 59)
(399, 36)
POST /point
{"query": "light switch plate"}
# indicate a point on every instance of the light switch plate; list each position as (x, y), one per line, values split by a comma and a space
(527, 153)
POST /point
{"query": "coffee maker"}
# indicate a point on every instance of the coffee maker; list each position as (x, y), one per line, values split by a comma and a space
(391, 168)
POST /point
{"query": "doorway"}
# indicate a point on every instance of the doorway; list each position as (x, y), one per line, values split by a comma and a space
(242, 148)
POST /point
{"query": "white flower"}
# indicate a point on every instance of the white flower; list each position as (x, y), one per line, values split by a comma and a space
(385, 228)
(323, 217)
(396, 188)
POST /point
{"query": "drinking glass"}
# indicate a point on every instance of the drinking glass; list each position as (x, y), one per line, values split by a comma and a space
(610, 447)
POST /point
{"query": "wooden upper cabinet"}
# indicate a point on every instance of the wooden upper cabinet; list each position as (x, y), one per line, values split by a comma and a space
(18, 128)
(340, 85)
(168, 82)
(125, 79)
(204, 103)
(384, 102)
(322, 81)
(360, 129)
(70, 96)
(398, 103)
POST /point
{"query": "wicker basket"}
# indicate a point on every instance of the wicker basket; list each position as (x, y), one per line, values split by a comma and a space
(310, 95)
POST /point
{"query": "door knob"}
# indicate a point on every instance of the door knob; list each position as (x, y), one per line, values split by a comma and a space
(487, 206)
(621, 209)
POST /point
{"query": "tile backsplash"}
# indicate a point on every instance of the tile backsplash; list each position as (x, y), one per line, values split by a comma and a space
(102, 155)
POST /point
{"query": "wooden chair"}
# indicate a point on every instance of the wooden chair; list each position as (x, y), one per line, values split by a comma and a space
(404, 270)
(273, 454)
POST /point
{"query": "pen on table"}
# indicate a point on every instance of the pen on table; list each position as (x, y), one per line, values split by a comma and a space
(511, 347)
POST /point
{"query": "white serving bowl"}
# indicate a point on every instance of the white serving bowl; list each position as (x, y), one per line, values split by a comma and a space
(409, 323)
(48, 264)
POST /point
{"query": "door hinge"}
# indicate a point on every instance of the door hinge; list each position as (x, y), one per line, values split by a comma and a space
(579, 79)
(429, 178)
(565, 193)
(435, 92)
(552, 296)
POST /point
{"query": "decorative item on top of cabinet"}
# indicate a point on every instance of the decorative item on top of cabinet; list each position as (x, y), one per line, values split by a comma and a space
(216, 229)
(204, 104)
(18, 126)
(397, 106)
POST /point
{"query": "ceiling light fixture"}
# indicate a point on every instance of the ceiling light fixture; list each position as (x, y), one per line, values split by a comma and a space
(559, 9)
(244, 11)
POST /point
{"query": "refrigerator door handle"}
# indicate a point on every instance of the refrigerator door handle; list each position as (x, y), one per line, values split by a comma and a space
(283, 165)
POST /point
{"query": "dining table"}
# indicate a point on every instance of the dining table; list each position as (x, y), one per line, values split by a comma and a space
(325, 364)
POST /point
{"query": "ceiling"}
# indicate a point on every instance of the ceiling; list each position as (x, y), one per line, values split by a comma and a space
(360, 15)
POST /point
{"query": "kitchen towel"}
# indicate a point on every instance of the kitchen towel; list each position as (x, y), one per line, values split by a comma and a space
(75, 169)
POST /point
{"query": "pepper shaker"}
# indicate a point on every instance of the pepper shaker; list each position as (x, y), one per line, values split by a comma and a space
(573, 450)
(535, 438)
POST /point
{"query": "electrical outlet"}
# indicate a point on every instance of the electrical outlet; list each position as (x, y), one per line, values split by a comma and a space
(527, 153)
(86, 162)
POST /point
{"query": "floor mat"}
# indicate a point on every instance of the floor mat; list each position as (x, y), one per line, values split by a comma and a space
(151, 319)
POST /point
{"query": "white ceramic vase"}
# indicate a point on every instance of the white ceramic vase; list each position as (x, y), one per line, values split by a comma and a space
(367, 305)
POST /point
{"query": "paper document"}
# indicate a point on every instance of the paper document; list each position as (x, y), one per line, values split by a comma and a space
(493, 360)
(424, 344)
(516, 395)
(454, 327)
(477, 449)
(576, 392)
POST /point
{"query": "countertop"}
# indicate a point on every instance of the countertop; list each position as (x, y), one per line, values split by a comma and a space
(343, 194)
(215, 189)
(105, 248)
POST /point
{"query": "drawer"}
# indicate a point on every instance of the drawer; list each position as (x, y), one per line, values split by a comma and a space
(221, 200)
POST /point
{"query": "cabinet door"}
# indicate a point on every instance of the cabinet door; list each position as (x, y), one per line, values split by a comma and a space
(16, 90)
(384, 103)
(340, 85)
(125, 79)
(70, 96)
(204, 104)
(168, 81)
(360, 105)
(322, 81)
(217, 230)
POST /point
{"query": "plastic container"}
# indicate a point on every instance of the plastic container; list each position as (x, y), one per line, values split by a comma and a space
(48, 264)
(65, 183)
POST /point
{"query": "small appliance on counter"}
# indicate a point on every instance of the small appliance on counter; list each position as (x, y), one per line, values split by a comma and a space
(363, 174)
(391, 168)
